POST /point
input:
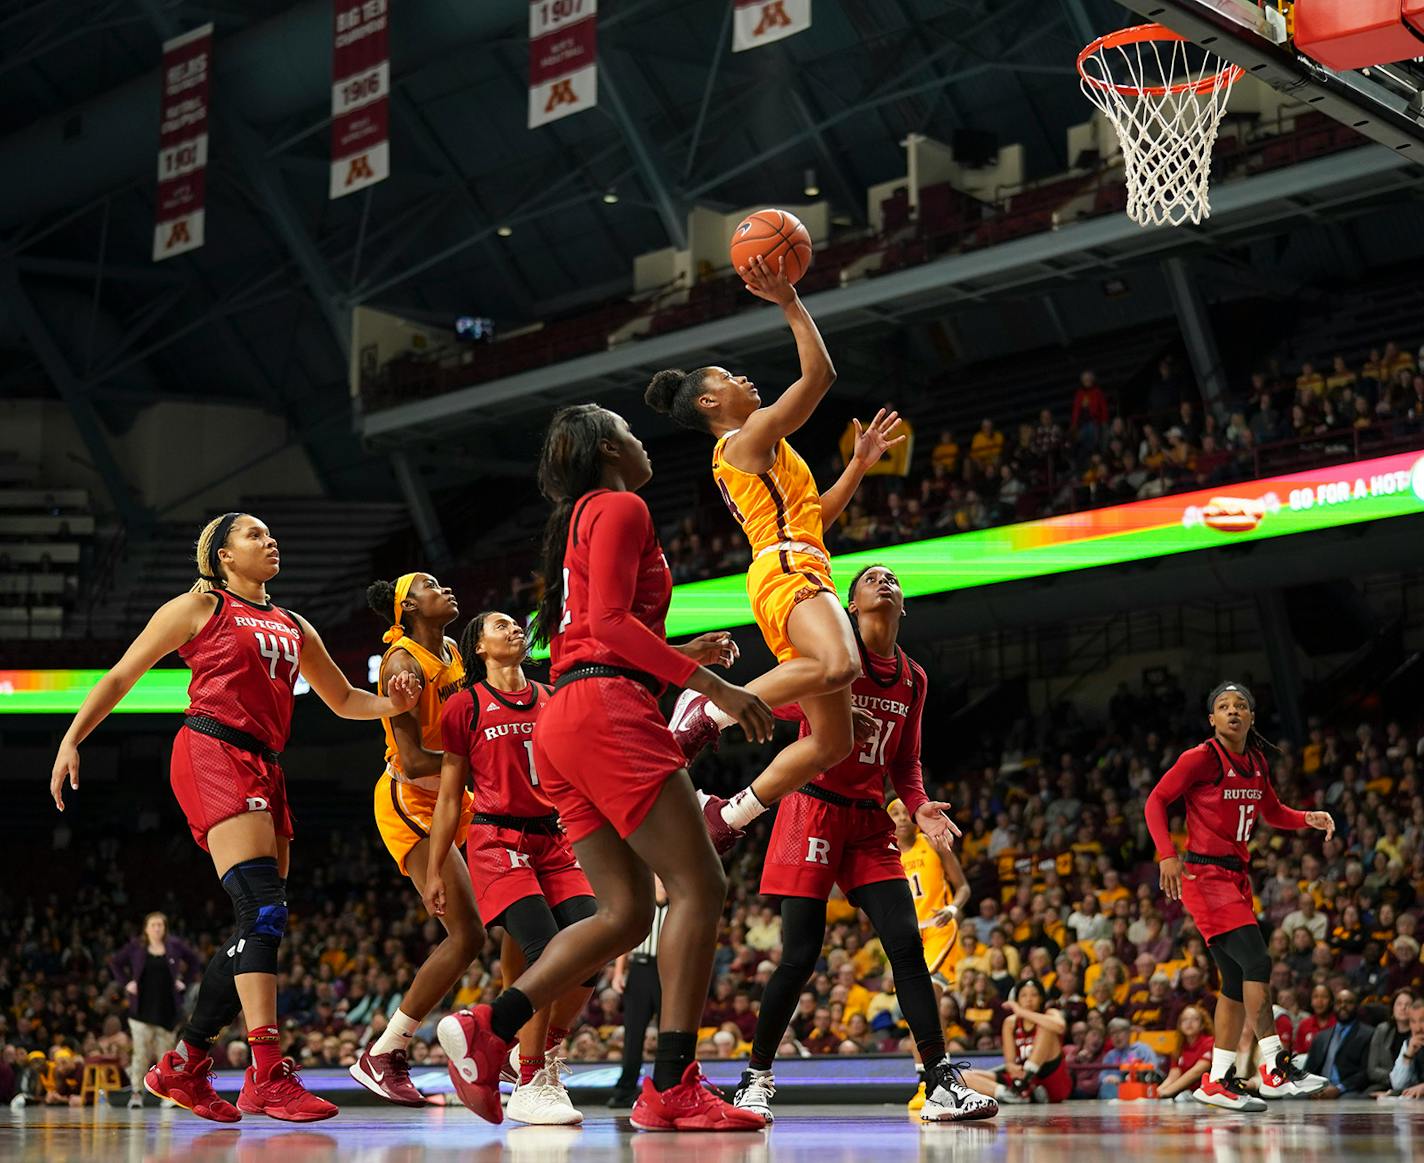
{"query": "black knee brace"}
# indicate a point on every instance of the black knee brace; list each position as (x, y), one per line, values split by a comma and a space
(1241, 955)
(260, 902)
(571, 911)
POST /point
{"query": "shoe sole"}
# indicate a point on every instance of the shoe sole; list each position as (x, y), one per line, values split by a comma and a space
(973, 1116)
(316, 1117)
(573, 1119)
(375, 1088)
(1222, 1104)
(184, 1106)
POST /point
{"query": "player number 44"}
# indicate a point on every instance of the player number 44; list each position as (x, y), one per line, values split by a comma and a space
(1245, 821)
(274, 648)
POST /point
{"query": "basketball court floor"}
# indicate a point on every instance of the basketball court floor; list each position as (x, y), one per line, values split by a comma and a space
(1294, 1132)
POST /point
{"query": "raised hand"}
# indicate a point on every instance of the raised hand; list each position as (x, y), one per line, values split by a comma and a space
(873, 441)
(933, 820)
(714, 648)
(1321, 822)
(768, 282)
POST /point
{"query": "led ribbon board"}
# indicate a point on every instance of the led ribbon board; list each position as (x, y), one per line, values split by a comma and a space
(1303, 502)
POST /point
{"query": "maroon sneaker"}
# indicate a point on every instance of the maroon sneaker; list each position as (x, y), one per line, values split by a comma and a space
(282, 1096)
(387, 1075)
(724, 836)
(475, 1054)
(692, 726)
(190, 1085)
(692, 1105)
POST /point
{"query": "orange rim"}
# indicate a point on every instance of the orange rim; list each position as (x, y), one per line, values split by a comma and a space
(1142, 34)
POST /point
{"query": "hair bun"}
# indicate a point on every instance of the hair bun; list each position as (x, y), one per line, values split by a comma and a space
(662, 388)
(381, 597)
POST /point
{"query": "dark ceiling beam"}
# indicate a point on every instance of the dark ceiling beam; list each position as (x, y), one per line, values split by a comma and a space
(671, 203)
(76, 398)
(69, 268)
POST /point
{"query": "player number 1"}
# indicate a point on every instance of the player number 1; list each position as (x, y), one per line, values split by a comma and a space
(1245, 820)
(915, 888)
(533, 774)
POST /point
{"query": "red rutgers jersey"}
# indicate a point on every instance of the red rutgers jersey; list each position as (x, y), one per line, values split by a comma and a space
(244, 662)
(892, 692)
(1226, 794)
(1024, 1035)
(616, 591)
(494, 730)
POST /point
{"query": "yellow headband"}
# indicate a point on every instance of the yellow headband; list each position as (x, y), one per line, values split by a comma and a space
(403, 584)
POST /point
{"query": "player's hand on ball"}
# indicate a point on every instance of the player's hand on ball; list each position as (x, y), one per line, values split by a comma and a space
(768, 282)
(66, 766)
(1322, 822)
(1170, 874)
(863, 724)
(933, 820)
(403, 691)
(715, 648)
(872, 442)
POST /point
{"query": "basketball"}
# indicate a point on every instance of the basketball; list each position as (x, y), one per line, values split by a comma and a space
(773, 234)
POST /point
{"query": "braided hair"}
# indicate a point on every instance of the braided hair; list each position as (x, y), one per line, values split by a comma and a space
(475, 669)
(570, 465)
(1254, 739)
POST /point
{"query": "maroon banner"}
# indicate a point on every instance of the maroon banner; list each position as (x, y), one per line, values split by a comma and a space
(183, 143)
(360, 96)
(563, 59)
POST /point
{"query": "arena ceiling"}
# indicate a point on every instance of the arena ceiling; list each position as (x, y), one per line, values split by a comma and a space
(261, 313)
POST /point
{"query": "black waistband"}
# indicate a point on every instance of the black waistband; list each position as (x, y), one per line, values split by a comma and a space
(816, 792)
(1231, 863)
(549, 825)
(600, 670)
(241, 739)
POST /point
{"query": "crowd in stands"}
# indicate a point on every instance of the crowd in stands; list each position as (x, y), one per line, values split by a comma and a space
(1064, 889)
(1098, 449)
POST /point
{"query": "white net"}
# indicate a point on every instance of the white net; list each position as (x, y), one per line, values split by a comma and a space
(1165, 98)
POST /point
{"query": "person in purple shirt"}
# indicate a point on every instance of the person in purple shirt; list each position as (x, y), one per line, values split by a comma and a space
(154, 971)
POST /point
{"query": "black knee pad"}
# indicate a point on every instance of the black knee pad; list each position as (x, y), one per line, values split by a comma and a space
(260, 903)
(570, 912)
(1242, 956)
(531, 923)
(1231, 977)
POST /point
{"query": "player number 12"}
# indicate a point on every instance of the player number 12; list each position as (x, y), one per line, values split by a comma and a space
(1245, 821)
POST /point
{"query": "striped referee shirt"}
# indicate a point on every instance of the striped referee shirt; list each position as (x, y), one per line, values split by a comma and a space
(649, 945)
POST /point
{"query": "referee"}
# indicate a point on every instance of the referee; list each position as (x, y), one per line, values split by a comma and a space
(635, 976)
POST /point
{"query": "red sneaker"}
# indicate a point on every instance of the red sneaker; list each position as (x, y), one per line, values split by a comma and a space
(190, 1085)
(724, 836)
(388, 1075)
(692, 1105)
(692, 726)
(476, 1054)
(282, 1096)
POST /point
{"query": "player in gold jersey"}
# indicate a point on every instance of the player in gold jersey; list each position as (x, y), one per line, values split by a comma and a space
(932, 873)
(772, 494)
(406, 793)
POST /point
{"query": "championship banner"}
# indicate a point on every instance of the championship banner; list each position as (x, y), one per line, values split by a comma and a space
(183, 143)
(360, 97)
(563, 59)
(759, 22)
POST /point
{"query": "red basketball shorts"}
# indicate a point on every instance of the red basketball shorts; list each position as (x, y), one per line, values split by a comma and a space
(815, 845)
(1218, 899)
(603, 753)
(215, 781)
(507, 865)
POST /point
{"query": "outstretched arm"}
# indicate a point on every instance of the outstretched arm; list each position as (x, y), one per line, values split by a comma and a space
(750, 449)
(336, 692)
(871, 443)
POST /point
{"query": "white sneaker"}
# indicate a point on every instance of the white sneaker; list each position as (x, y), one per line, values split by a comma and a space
(755, 1092)
(1228, 1093)
(1284, 1079)
(949, 1100)
(136, 1100)
(544, 1102)
(1009, 1096)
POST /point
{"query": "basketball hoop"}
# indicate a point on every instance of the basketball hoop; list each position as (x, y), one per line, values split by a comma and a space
(1165, 97)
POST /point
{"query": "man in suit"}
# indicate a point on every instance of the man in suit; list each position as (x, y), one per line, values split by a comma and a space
(1341, 1052)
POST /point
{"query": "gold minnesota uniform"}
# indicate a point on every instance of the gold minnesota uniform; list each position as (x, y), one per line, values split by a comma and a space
(405, 806)
(779, 510)
(925, 871)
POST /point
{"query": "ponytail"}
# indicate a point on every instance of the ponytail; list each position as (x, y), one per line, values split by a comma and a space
(570, 465)
(205, 554)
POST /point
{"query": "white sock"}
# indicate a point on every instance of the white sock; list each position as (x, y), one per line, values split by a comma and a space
(1222, 1060)
(397, 1034)
(1270, 1049)
(719, 716)
(742, 809)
